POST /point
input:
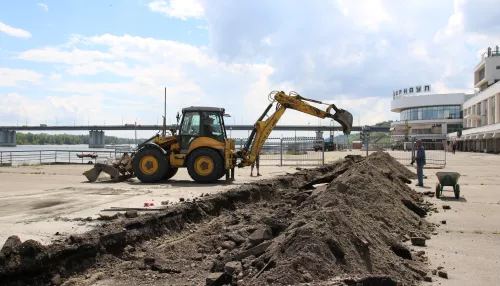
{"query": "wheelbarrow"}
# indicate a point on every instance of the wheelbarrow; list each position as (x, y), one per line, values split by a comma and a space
(448, 179)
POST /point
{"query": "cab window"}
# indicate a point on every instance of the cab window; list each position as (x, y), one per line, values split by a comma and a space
(191, 124)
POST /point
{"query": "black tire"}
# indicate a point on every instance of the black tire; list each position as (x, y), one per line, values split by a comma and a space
(161, 162)
(457, 191)
(171, 171)
(438, 190)
(213, 157)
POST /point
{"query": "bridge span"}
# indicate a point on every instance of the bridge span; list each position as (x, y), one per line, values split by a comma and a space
(96, 132)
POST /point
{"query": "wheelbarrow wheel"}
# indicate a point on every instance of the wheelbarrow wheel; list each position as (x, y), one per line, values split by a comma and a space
(457, 191)
(438, 190)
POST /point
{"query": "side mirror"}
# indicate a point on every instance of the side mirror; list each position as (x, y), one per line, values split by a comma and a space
(178, 117)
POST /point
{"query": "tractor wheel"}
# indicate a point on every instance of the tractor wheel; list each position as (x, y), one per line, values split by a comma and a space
(457, 191)
(149, 165)
(205, 165)
(438, 190)
(171, 171)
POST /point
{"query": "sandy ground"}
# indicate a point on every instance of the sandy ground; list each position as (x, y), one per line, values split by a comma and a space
(467, 246)
(36, 202)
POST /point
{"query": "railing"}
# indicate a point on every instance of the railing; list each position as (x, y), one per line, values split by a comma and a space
(293, 151)
(40, 157)
(289, 151)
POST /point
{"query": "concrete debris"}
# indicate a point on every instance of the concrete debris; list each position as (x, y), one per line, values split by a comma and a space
(229, 245)
(446, 207)
(418, 241)
(259, 235)
(131, 214)
(443, 274)
(233, 267)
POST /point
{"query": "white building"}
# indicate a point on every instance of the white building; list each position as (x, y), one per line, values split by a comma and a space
(428, 116)
(481, 112)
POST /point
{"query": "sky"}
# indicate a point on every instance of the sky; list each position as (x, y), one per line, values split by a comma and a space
(108, 62)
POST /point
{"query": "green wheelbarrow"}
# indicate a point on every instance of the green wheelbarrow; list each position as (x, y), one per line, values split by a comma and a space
(448, 179)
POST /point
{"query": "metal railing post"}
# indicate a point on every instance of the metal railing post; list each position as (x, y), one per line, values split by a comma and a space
(40, 157)
(1, 161)
(323, 153)
(281, 152)
(11, 163)
(69, 157)
(55, 157)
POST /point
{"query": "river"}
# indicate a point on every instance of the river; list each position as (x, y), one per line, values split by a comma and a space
(77, 147)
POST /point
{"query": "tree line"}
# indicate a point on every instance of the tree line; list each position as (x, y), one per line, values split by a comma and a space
(66, 139)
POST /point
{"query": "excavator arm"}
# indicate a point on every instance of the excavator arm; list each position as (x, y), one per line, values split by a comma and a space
(263, 128)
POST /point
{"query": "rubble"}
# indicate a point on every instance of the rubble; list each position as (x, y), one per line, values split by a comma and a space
(443, 274)
(256, 234)
(418, 241)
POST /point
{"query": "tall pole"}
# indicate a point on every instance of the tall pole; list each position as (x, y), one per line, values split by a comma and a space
(165, 115)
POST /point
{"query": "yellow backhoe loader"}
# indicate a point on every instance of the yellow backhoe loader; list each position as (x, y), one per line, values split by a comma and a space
(201, 145)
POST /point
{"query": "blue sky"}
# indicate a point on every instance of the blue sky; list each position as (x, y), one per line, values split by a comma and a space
(108, 61)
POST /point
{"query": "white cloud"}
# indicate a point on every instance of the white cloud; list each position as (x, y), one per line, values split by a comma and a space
(369, 14)
(12, 77)
(351, 53)
(55, 55)
(182, 9)
(15, 32)
(43, 5)
(455, 24)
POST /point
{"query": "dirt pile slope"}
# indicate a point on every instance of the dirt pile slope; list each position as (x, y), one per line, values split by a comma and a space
(275, 232)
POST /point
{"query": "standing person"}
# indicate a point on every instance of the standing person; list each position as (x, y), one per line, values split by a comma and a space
(454, 146)
(257, 159)
(420, 159)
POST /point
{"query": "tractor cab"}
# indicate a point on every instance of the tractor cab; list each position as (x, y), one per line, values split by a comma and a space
(201, 122)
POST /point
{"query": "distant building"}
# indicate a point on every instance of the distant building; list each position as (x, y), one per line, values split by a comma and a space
(426, 116)
(481, 112)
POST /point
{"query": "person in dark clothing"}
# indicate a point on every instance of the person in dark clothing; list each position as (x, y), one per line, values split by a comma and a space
(454, 146)
(420, 159)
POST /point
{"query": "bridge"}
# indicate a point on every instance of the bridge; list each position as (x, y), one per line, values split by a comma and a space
(96, 132)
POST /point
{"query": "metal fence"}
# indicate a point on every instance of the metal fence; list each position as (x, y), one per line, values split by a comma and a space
(404, 152)
(298, 151)
(39, 157)
(289, 151)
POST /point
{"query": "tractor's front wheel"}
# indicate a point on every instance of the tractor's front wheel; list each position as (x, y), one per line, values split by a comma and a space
(149, 165)
(205, 165)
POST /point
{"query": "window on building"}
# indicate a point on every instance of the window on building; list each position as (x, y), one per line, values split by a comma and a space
(498, 67)
(431, 112)
(453, 128)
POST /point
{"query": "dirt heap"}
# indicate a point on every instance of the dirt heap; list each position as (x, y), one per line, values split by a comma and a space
(343, 224)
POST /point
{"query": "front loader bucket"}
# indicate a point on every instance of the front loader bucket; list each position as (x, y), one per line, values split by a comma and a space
(345, 119)
(93, 173)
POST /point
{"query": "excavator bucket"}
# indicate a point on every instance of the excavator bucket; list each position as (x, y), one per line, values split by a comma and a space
(345, 119)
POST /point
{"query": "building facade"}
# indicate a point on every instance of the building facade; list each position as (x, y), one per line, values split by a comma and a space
(481, 113)
(426, 116)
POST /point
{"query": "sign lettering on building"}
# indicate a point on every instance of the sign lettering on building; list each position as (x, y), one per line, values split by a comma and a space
(411, 90)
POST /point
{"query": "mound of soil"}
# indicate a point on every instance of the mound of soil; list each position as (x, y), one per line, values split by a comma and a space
(343, 224)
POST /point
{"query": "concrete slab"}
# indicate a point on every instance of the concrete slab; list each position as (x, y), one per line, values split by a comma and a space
(467, 245)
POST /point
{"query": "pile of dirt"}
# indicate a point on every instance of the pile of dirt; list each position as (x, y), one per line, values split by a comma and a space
(319, 227)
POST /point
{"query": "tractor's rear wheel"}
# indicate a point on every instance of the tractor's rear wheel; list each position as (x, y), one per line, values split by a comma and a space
(149, 165)
(171, 171)
(205, 165)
